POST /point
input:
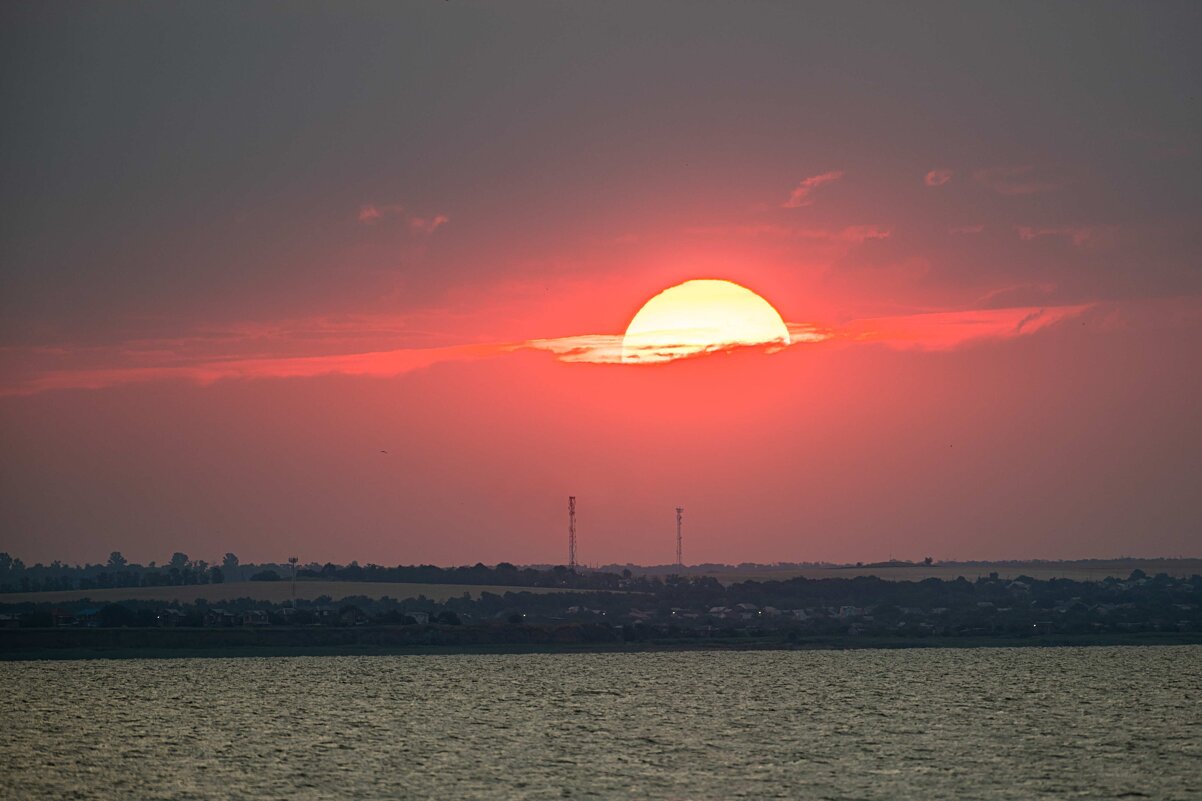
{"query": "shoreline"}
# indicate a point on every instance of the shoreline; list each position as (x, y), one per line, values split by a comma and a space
(68, 652)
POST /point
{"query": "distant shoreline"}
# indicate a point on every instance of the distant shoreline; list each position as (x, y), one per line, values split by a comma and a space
(55, 647)
(408, 582)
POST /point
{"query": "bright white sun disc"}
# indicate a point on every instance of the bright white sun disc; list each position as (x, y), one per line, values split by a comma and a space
(698, 317)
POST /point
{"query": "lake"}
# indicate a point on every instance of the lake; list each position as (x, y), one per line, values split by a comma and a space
(987, 723)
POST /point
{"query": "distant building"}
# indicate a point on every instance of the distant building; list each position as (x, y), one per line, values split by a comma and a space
(220, 617)
(747, 611)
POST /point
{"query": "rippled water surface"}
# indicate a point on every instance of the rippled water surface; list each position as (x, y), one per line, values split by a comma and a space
(988, 723)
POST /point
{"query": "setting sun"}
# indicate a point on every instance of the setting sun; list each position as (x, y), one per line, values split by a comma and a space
(701, 316)
(619, 342)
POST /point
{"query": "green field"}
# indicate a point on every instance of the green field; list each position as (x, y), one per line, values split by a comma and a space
(274, 591)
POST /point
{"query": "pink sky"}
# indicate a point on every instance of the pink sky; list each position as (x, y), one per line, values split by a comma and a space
(234, 274)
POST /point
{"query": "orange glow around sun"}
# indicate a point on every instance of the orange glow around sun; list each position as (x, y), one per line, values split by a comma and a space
(701, 316)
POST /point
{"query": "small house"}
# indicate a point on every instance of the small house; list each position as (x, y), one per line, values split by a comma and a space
(256, 617)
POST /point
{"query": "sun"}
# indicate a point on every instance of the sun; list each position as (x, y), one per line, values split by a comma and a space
(698, 317)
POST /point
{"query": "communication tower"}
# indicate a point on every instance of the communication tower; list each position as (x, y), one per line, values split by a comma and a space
(572, 532)
(292, 560)
(679, 538)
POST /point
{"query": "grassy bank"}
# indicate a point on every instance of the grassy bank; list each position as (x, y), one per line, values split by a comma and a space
(41, 644)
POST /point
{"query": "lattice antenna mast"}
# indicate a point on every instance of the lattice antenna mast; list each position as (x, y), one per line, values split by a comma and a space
(679, 537)
(292, 560)
(572, 532)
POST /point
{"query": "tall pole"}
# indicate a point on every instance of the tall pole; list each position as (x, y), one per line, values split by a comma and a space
(292, 560)
(679, 538)
(572, 532)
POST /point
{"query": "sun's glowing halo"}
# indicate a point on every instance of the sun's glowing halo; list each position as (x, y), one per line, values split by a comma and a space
(701, 316)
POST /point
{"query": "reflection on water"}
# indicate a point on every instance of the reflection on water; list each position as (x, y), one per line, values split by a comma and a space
(982, 723)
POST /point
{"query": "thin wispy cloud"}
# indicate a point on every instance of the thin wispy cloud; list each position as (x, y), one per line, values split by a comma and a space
(937, 331)
(377, 364)
(1016, 294)
(800, 196)
(590, 348)
(1018, 180)
(937, 177)
(612, 348)
(148, 361)
(428, 225)
(849, 233)
(1077, 234)
(370, 213)
(930, 331)
(373, 214)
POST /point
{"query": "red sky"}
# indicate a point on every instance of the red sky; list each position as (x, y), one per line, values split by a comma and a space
(248, 249)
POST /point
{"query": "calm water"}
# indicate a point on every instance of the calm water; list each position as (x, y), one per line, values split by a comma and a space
(982, 723)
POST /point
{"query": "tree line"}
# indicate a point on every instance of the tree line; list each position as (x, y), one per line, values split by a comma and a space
(178, 570)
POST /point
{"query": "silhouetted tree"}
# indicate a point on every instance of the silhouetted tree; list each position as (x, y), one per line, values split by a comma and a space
(115, 615)
(38, 619)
